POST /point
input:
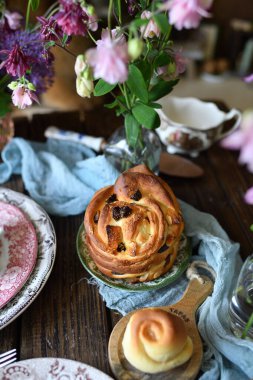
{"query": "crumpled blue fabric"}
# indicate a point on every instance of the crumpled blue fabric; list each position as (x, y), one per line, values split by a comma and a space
(225, 356)
(61, 176)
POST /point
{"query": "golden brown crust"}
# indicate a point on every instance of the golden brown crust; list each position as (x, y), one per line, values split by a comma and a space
(133, 228)
(156, 340)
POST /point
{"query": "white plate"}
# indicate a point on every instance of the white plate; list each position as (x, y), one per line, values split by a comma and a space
(51, 369)
(45, 259)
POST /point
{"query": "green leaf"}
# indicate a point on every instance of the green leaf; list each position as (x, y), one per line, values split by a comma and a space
(103, 88)
(49, 44)
(161, 89)
(162, 21)
(155, 105)
(5, 103)
(146, 116)
(111, 105)
(35, 4)
(64, 39)
(132, 128)
(116, 7)
(138, 22)
(162, 60)
(136, 83)
(146, 70)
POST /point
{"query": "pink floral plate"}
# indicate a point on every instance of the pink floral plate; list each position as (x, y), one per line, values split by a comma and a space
(18, 251)
(51, 369)
(45, 257)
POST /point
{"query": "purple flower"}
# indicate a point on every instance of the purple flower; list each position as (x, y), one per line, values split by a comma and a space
(109, 59)
(13, 19)
(72, 18)
(22, 97)
(41, 71)
(50, 30)
(16, 63)
(187, 13)
(132, 7)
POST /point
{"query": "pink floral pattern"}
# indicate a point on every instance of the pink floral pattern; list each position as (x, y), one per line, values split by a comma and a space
(52, 369)
(21, 248)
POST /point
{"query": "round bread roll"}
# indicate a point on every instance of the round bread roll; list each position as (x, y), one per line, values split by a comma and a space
(156, 341)
(133, 228)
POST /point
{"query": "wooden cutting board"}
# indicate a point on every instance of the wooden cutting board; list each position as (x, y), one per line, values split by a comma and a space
(194, 295)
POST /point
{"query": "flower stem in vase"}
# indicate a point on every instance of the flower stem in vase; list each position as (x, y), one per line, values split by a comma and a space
(130, 146)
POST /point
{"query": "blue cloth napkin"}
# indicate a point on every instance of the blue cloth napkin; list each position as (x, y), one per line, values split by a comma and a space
(225, 356)
(61, 176)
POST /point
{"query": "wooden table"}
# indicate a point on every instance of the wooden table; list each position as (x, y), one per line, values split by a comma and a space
(68, 318)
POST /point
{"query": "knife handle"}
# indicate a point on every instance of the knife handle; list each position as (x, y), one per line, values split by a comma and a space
(95, 143)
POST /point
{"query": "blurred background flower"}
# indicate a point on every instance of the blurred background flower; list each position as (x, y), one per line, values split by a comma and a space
(242, 140)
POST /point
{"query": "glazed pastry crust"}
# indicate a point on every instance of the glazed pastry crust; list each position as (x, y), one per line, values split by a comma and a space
(133, 228)
(156, 341)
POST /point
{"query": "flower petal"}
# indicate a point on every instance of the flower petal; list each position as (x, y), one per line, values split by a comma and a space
(248, 197)
(234, 141)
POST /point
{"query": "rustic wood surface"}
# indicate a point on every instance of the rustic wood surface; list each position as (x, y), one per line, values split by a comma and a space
(69, 319)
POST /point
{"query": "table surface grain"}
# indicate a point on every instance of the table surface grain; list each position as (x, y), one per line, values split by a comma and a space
(69, 319)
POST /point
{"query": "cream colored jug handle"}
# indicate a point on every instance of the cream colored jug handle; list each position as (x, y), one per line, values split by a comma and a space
(230, 115)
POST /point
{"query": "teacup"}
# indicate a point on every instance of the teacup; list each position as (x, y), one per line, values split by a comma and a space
(190, 125)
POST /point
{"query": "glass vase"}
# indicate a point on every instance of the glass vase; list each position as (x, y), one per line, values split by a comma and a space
(241, 305)
(6, 130)
(146, 151)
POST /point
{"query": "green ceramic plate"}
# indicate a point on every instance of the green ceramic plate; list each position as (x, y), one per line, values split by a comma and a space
(178, 268)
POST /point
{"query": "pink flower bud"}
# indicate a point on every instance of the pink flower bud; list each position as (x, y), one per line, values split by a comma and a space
(151, 29)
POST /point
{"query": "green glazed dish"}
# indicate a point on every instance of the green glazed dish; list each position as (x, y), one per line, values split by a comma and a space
(172, 275)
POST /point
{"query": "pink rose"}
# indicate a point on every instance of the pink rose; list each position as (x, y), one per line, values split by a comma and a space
(110, 58)
(151, 29)
(187, 13)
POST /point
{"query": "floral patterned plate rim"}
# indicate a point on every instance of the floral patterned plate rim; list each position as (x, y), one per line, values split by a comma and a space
(45, 255)
(179, 266)
(18, 250)
(51, 369)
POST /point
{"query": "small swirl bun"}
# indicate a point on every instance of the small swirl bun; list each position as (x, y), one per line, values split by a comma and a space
(133, 228)
(156, 341)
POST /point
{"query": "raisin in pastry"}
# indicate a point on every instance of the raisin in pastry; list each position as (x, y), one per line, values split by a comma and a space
(133, 227)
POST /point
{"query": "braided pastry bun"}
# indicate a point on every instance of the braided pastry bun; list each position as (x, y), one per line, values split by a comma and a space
(133, 228)
(156, 341)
